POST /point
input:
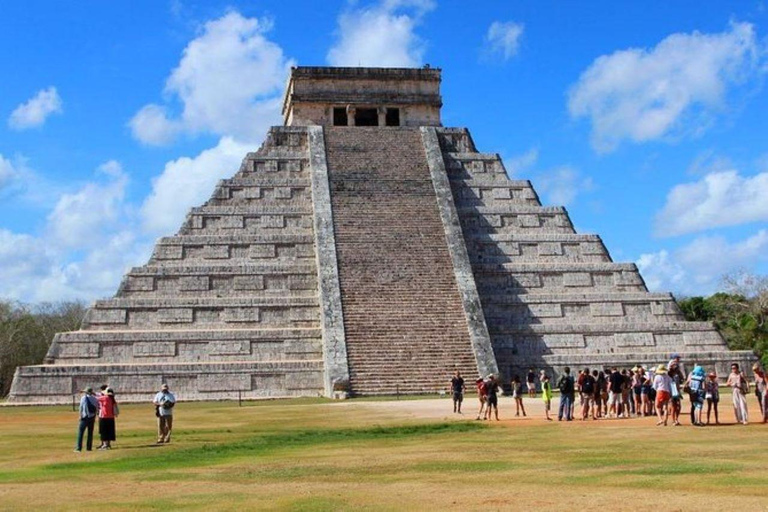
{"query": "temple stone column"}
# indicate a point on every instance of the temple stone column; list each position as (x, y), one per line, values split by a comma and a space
(382, 111)
(351, 115)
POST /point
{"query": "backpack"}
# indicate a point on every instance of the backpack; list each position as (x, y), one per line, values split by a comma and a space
(588, 386)
(90, 407)
(565, 385)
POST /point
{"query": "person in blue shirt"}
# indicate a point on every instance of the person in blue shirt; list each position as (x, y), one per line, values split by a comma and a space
(89, 409)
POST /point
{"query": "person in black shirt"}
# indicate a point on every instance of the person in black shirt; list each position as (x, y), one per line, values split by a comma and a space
(530, 383)
(567, 387)
(457, 390)
(615, 385)
(493, 399)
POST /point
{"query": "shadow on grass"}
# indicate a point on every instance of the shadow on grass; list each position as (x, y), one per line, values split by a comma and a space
(210, 454)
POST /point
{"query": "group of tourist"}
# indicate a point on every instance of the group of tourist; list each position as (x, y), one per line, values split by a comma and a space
(622, 393)
(104, 407)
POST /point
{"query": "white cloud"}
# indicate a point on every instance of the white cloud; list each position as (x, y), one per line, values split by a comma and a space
(562, 184)
(503, 38)
(643, 95)
(697, 268)
(78, 219)
(8, 173)
(229, 82)
(36, 110)
(520, 163)
(718, 199)
(381, 35)
(188, 182)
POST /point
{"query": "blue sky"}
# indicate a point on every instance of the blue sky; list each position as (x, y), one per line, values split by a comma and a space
(646, 119)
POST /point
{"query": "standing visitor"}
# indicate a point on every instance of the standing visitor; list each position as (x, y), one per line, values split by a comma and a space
(645, 392)
(164, 402)
(89, 408)
(517, 394)
(530, 383)
(482, 395)
(761, 388)
(676, 374)
(615, 385)
(598, 395)
(108, 411)
(662, 384)
(637, 390)
(695, 384)
(588, 385)
(546, 394)
(602, 383)
(492, 387)
(712, 394)
(626, 390)
(740, 388)
(457, 391)
(567, 387)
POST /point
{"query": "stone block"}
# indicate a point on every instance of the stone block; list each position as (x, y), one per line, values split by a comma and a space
(627, 279)
(664, 308)
(107, 316)
(545, 310)
(634, 339)
(262, 251)
(175, 315)
(252, 193)
(140, 284)
(529, 221)
(78, 350)
(549, 249)
(564, 340)
(248, 282)
(154, 349)
(207, 383)
(606, 309)
(267, 382)
(272, 221)
(169, 252)
(502, 193)
(282, 193)
(241, 315)
(216, 252)
(577, 279)
(194, 283)
(229, 348)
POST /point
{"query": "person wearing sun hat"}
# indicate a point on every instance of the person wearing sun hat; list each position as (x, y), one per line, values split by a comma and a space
(695, 385)
(712, 395)
(89, 409)
(662, 383)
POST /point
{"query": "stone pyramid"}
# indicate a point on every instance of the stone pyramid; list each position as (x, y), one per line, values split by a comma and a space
(365, 249)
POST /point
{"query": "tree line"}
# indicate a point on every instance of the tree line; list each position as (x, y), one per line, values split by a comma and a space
(27, 331)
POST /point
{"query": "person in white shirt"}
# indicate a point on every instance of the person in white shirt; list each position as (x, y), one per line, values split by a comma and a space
(662, 383)
(164, 402)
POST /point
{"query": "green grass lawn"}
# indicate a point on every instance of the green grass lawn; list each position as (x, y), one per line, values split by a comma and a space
(316, 455)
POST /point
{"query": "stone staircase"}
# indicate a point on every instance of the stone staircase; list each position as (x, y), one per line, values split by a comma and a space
(228, 307)
(405, 327)
(553, 297)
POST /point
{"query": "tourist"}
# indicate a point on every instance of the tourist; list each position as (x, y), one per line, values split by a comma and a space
(637, 390)
(678, 378)
(712, 394)
(615, 385)
(602, 383)
(596, 396)
(740, 388)
(164, 402)
(588, 385)
(89, 408)
(645, 393)
(651, 390)
(567, 387)
(482, 395)
(517, 394)
(546, 394)
(626, 390)
(108, 411)
(492, 388)
(695, 385)
(662, 384)
(761, 387)
(530, 383)
(457, 391)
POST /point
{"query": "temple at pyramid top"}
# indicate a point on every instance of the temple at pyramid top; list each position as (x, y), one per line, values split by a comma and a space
(362, 97)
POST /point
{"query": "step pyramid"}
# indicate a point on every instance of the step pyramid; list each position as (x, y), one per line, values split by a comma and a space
(366, 249)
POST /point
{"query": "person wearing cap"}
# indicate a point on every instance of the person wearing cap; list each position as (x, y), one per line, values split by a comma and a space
(740, 387)
(662, 384)
(89, 408)
(761, 389)
(712, 395)
(164, 402)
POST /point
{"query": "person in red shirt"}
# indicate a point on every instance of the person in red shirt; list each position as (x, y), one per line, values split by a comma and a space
(482, 395)
(108, 411)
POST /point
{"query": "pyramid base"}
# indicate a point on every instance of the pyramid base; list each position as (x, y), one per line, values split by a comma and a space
(58, 384)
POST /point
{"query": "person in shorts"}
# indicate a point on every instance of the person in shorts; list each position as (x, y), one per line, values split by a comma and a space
(546, 395)
(492, 387)
(164, 403)
(517, 395)
(712, 395)
(587, 390)
(530, 383)
(457, 391)
(615, 386)
(482, 395)
(662, 384)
